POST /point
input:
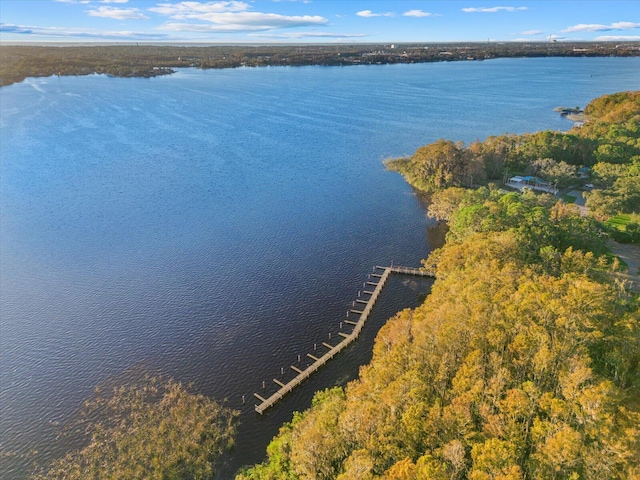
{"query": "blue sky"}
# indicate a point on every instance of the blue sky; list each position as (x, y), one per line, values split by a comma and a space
(320, 21)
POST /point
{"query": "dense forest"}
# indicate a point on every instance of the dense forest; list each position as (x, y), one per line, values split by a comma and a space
(21, 61)
(524, 361)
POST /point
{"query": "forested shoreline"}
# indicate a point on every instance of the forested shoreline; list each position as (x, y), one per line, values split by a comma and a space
(607, 147)
(133, 60)
(523, 362)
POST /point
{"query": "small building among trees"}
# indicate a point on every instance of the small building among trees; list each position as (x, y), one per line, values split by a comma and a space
(534, 183)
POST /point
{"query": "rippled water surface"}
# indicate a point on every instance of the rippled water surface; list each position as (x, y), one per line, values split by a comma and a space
(211, 225)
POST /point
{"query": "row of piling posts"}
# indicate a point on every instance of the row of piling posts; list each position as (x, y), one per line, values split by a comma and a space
(318, 361)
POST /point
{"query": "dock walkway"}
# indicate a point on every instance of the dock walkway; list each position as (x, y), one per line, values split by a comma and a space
(346, 339)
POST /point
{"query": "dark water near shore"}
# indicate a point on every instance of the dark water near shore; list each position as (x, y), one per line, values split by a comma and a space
(211, 225)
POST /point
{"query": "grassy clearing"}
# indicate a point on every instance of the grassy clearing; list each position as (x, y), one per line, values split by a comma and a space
(569, 199)
(620, 221)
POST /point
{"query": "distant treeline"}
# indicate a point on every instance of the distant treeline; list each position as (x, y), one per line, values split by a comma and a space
(19, 62)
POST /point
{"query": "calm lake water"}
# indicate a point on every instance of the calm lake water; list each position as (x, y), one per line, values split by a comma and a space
(212, 225)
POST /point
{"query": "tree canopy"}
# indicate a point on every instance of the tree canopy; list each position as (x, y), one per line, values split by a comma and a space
(523, 362)
(608, 143)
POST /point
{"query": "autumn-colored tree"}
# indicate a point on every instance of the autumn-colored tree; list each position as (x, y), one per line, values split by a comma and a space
(439, 165)
(622, 196)
(443, 203)
(559, 172)
(609, 143)
(523, 362)
(506, 371)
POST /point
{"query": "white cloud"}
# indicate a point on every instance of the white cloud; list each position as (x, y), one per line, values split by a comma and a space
(209, 28)
(532, 32)
(586, 27)
(118, 13)
(618, 38)
(597, 27)
(295, 35)
(493, 9)
(253, 20)
(228, 17)
(262, 22)
(419, 13)
(114, 1)
(59, 32)
(182, 10)
(369, 14)
(73, 1)
(625, 25)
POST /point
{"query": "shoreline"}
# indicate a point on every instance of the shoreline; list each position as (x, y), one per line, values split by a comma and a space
(132, 61)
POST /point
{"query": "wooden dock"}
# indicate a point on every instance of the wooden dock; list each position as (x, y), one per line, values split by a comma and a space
(344, 339)
(420, 272)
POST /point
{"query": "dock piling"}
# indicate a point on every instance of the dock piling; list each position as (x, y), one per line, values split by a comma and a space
(346, 338)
